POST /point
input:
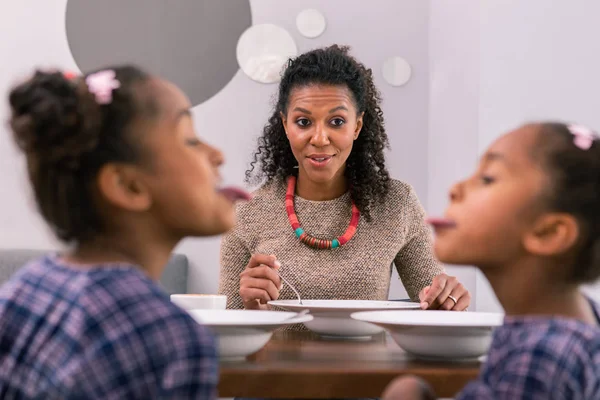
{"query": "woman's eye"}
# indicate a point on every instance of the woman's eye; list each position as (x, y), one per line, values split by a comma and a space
(302, 122)
(337, 122)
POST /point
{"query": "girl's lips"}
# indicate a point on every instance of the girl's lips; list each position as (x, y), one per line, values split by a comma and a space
(234, 194)
(441, 223)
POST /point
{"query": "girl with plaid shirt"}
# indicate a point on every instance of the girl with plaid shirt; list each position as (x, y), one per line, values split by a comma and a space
(529, 218)
(119, 174)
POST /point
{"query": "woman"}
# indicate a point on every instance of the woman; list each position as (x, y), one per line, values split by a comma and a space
(328, 216)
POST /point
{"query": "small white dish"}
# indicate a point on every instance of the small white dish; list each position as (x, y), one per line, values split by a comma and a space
(200, 301)
(437, 335)
(241, 333)
(332, 317)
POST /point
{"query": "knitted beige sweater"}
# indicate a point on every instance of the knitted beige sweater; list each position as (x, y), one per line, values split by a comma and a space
(361, 269)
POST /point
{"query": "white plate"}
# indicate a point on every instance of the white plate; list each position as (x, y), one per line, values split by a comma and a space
(332, 317)
(432, 318)
(244, 332)
(248, 318)
(437, 334)
(337, 305)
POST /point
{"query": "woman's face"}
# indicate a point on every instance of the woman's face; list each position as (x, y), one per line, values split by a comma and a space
(321, 124)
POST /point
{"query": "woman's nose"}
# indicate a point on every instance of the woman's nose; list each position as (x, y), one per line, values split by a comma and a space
(320, 136)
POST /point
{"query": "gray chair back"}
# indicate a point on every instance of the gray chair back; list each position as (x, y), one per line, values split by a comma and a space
(173, 280)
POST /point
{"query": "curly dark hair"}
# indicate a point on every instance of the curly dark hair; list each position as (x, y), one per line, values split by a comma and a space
(67, 137)
(368, 178)
(575, 189)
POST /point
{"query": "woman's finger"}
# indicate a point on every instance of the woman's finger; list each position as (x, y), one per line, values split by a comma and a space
(423, 293)
(437, 286)
(451, 283)
(458, 292)
(252, 297)
(263, 259)
(262, 272)
(463, 303)
(263, 284)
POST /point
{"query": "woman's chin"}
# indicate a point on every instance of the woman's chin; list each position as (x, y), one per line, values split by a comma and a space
(321, 176)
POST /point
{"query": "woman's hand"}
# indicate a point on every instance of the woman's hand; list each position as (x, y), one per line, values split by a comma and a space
(445, 293)
(259, 282)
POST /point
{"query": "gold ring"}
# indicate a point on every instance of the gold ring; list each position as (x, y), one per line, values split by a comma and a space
(453, 299)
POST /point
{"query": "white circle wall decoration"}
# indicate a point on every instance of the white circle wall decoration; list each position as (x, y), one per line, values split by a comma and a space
(311, 23)
(396, 71)
(263, 50)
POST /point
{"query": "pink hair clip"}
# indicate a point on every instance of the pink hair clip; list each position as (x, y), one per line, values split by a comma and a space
(101, 84)
(69, 75)
(583, 136)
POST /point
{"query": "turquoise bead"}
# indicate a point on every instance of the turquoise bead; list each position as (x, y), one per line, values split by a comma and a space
(335, 243)
(299, 232)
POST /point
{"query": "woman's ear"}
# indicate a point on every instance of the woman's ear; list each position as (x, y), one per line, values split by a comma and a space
(359, 125)
(283, 122)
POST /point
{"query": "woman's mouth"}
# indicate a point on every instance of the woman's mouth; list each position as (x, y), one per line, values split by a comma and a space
(234, 194)
(319, 160)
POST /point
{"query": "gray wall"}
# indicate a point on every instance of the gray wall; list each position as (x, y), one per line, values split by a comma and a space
(538, 60)
(496, 63)
(233, 117)
(479, 68)
(453, 106)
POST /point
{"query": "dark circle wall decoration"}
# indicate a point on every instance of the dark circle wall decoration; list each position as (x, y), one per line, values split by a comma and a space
(189, 42)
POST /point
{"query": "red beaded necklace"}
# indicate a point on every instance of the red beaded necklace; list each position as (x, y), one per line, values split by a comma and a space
(306, 238)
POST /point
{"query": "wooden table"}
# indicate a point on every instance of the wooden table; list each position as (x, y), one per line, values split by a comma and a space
(301, 365)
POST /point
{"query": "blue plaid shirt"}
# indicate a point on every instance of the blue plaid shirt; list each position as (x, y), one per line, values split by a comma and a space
(106, 332)
(540, 358)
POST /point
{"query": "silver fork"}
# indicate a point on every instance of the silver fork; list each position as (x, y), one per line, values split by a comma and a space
(291, 286)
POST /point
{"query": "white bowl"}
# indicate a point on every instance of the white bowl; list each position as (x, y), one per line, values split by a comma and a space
(332, 317)
(244, 332)
(437, 335)
(200, 301)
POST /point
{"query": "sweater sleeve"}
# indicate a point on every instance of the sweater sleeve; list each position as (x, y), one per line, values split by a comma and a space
(415, 262)
(234, 258)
